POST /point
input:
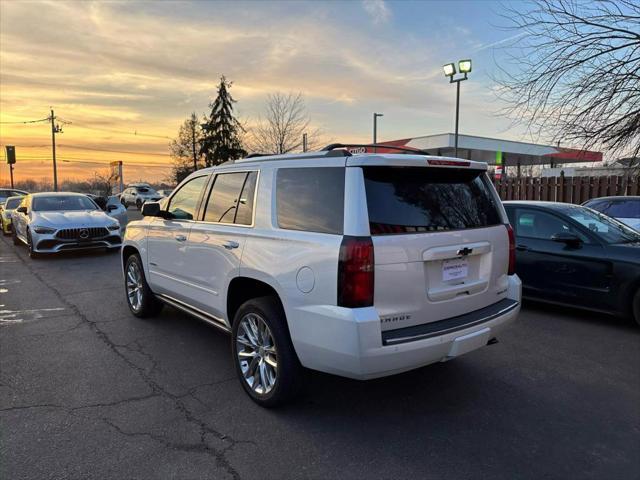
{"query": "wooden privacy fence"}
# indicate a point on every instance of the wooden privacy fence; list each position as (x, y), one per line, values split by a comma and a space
(567, 189)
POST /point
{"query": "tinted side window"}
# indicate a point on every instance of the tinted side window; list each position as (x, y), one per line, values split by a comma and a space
(541, 225)
(231, 199)
(184, 203)
(244, 215)
(311, 199)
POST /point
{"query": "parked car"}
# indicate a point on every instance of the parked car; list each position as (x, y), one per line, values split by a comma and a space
(10, 192)
(113, 207)
(55, 222)
(573, 255)
(137, 195)
(623, 209)
(361, 266)
(6, 210)
(164, 193)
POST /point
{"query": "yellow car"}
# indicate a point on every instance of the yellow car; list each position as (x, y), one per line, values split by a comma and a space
(6, 210)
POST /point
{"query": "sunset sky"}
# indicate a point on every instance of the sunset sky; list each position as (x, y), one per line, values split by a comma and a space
(126, 74)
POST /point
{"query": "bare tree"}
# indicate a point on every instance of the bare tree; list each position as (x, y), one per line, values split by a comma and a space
(186, 146)
(185, 149)
(572, 73)
(282, 128)
(102, 183)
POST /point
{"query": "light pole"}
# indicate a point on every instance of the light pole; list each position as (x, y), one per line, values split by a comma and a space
(375, 128)
(464, 66)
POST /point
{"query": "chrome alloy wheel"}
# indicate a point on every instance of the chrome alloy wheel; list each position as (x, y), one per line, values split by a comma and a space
(134, 286)
(257, 354)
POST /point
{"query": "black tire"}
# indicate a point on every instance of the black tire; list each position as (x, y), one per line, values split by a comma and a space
(32, 254)
(149, 304)
(139, 204)
(289, 372)
(16, 240)
(635, 307)
(124, 204)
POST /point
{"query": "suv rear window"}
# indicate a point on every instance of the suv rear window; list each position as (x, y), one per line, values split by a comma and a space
(419, 199)
(311, 199)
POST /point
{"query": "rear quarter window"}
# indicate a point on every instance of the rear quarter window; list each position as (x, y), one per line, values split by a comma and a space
(311, 199)
(419, 199)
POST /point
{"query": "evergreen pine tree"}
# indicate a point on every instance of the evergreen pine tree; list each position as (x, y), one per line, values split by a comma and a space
(221, 132)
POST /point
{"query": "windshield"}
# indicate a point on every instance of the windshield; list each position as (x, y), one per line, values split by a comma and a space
(604, 227)
(62, 202)
(12, 203)
(418, 199)
(144, 190)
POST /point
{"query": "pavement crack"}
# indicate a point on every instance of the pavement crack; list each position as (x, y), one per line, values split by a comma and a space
(200, 447)
(154, 386)
(28, 407)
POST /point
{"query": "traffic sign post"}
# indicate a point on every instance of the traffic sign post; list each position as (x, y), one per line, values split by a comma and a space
(11, 160)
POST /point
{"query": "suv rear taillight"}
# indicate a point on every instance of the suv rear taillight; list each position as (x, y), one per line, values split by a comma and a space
(512, 250)
(355, 272)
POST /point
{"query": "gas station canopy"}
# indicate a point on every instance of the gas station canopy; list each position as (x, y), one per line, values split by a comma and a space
(491, 150)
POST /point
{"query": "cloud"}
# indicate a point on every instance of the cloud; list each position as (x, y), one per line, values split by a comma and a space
(378, 10)
(146, 66)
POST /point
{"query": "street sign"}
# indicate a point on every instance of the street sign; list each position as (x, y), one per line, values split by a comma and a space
(11, 154)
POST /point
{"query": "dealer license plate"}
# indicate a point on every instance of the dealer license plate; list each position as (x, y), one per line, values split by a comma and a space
(455, 269)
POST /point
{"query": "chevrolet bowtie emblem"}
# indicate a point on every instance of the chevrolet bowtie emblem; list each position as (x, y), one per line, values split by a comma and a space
(463, 252)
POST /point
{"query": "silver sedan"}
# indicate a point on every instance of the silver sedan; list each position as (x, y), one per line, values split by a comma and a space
(55, 222)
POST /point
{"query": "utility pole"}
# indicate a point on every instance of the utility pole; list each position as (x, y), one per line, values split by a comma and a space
(375, 129)
(54, 129)
(304, 142)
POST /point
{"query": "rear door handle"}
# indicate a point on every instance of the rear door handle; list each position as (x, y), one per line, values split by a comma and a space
(522, 248)
(180, 238)
(229, 245)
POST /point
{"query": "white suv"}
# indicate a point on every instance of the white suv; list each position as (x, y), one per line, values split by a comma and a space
(137, 194)
(356, 265)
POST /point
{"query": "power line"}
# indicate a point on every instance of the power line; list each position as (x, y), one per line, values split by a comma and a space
(156, 165)
(83, 160)
(26, 121)
(114, 151)
(123, 132)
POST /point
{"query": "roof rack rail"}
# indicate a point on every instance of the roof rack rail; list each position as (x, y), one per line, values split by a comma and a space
(335, 146)
(294, 156)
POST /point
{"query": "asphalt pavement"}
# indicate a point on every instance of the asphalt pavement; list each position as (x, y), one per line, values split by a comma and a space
(89, 391)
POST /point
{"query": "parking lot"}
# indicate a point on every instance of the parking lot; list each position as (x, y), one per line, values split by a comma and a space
(89, 391)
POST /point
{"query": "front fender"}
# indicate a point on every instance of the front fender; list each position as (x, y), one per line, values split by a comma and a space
(136, 237)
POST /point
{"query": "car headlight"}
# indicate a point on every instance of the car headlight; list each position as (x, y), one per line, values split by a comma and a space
(38, 229)
(114, 227)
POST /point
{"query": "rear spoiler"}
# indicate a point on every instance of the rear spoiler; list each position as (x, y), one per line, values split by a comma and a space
(410, 157)
(404, 160)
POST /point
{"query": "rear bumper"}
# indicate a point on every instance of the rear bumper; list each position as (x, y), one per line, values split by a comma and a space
(350, 342)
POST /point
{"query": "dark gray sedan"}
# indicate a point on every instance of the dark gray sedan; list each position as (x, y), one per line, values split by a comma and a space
(572, 255)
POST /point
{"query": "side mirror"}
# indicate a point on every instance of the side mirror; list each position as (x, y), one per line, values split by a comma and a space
(570, 239)
(111, 208)
(22, 210)
(153, 209)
